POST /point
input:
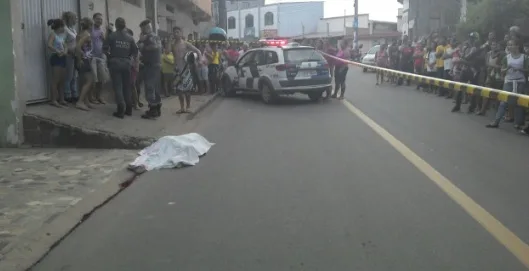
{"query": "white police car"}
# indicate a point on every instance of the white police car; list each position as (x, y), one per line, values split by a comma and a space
(279, 70)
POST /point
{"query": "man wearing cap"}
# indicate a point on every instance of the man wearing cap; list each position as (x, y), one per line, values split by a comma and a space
(121, 50)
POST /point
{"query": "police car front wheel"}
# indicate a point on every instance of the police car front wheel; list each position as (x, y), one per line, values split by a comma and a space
(227, 87)
(267, 94)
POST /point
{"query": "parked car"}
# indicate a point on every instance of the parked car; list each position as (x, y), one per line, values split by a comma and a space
(369, 58)
(279, 70)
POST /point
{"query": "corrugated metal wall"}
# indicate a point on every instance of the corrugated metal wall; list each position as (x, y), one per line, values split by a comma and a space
(33, 39)
(35, 15)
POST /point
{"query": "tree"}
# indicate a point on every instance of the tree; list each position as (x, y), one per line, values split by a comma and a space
(484, 16)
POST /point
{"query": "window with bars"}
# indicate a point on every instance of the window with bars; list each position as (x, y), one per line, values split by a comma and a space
(170, 24)
(231, 23)
(248, 20)
(269, 18)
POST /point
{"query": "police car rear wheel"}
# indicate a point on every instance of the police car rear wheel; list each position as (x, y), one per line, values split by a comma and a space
(267, 95)
(365, 70)
(315, 96)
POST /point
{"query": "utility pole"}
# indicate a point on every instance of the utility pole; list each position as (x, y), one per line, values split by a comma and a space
(416, 22)
(258, 31)
(355, 25)
(463, 11)
(344, 23)
(239, 19)
(222, 15)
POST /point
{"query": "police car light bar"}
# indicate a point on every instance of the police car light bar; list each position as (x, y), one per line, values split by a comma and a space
(274, 42)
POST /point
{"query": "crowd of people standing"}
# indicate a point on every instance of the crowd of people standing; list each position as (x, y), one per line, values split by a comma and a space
(499, 64)
(98, 54)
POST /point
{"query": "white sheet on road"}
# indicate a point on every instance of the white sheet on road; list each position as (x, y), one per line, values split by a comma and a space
(173, 151)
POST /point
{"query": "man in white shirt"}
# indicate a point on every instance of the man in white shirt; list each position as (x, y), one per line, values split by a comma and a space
(243, 49)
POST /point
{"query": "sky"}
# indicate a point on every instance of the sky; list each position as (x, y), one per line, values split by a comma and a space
(381, 10)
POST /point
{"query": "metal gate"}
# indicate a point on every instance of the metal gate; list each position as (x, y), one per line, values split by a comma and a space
(35, 31)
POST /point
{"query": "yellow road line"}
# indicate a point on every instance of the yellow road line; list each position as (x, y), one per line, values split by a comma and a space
(506, 237)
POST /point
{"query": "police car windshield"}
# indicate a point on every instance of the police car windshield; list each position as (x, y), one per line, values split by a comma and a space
(298, 55)
(373, 50)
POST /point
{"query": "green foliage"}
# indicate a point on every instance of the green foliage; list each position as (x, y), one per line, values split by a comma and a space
(484, 16)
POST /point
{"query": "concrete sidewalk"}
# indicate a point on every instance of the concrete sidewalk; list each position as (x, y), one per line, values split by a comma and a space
(44, 193)
(47, 126)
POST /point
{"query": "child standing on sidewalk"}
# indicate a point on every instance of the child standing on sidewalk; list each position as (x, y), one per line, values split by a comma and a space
(167, 70)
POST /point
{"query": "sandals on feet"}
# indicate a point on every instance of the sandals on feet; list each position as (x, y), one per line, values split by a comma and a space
(82, 107)
(56, 104)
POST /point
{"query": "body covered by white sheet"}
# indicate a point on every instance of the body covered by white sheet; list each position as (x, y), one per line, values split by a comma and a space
(173, 151)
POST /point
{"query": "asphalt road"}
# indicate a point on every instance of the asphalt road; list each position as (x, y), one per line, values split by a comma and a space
(302, 186)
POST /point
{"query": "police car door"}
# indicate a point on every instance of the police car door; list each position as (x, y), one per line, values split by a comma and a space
(269, 70)
(243, 69)
(256, 70)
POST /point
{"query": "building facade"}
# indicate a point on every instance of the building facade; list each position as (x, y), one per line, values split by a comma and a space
(243, 4)
(282, 19)
(337, 26)
(173, 13)
(400, 22)
(188, 14)
(25, 21)
(12, 100)
(370, 32)
(422, 17)
(215, 16)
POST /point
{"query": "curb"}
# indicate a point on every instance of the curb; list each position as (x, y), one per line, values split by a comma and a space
(31, 247)
(44, 132)
(203, 106)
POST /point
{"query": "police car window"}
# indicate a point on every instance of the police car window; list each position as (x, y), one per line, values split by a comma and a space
(373, 50)
(260, 58)
(302, 54)
(271, 57)
(246, 58)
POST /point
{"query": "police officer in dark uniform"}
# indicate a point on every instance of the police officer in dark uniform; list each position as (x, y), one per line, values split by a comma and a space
(150, 47)
(121, 50)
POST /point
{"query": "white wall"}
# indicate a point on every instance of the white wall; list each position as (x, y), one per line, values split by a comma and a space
(133, 14)
(264, 10)
(336, 24)
(405, 5)
(179, 18)
(463, 11)
(405, 24)
(258, 15)
(296, 19)
(399, 20)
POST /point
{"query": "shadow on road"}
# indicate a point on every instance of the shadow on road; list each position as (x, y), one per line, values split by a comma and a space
(296, 99)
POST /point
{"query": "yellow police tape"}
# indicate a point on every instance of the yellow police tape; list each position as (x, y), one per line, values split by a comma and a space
(504, 96)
